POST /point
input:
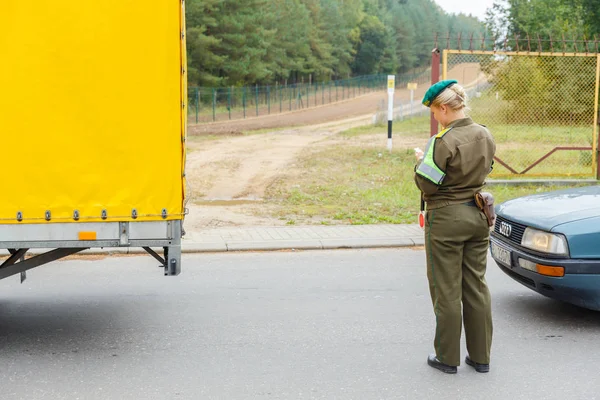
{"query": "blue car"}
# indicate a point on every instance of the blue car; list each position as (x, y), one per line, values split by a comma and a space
(550, 243)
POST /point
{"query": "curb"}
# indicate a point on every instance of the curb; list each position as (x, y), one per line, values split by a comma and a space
(275, 245)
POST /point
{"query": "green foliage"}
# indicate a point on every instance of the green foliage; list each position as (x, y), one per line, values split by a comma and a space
(203, 61)
(248, 42)
(371, 46)
(338, 25)
(246, 39)
(555, 19)
(591, 12)
(549, 89)
(292, 55)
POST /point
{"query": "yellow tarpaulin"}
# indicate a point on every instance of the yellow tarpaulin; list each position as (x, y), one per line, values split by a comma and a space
(91, 109)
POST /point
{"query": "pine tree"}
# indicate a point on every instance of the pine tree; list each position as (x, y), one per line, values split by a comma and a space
(245, 39)
(203, 63)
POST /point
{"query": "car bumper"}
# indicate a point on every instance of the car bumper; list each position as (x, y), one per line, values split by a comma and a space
(580, 285)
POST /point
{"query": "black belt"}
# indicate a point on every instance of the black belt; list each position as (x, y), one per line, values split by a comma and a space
(471, 203)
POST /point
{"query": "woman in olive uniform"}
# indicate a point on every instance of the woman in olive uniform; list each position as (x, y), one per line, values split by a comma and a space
(449, 173)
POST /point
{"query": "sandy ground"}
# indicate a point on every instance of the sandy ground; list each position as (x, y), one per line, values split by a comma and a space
(227, 178)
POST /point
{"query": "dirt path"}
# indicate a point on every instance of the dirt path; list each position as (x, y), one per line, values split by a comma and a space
(227, 178)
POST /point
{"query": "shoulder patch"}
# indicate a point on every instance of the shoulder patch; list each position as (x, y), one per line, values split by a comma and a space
(443, 132)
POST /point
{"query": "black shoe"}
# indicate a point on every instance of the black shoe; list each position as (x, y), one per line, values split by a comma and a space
(478, 367)
(437, 364)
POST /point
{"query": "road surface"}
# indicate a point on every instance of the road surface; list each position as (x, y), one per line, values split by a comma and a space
(345, 324)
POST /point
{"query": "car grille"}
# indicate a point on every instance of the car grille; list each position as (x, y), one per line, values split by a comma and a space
(516, 230)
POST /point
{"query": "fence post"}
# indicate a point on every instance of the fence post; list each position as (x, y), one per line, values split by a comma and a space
(214, 104)
(256, 99)
(229, 101)
(197, 103)
(278, 94)
(269, 97)
(244, 101)
(401, 111)
(596, 143)
(317, 93)
(435, 77)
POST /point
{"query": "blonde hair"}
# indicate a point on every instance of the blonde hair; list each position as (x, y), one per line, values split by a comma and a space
(453, 97)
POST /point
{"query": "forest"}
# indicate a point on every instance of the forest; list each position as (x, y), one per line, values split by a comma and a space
(262, 42)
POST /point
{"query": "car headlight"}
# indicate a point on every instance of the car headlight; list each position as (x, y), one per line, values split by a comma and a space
(544, 242)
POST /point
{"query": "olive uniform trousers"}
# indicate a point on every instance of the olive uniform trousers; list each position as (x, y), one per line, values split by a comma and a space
(456, 244)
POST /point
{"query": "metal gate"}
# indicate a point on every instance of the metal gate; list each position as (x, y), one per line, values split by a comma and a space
(541, 107)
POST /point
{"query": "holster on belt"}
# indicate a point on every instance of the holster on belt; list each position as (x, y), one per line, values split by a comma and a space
(485, 202)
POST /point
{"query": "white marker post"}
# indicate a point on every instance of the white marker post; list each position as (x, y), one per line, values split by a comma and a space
(412, 87)
(391, 86)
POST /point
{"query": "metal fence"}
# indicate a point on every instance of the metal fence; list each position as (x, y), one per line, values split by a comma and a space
(220, 104)
(541, 107)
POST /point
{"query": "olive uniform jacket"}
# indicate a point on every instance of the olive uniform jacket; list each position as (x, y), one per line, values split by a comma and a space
(464, 151)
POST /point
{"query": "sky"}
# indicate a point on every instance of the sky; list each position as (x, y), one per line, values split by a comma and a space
(475, 7)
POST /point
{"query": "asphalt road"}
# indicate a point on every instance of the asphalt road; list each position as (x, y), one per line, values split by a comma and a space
(345, 324)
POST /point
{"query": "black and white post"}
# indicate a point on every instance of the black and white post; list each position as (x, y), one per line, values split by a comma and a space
(391, 85)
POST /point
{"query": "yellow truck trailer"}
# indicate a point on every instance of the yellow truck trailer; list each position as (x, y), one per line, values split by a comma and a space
(93, 127)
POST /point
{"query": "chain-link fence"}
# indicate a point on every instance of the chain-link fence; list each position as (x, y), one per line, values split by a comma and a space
(220, 104)
(541, 107)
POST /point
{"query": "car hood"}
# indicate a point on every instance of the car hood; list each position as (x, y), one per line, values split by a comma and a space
(547, 210)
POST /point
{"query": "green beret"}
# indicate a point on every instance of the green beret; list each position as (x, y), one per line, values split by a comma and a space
(436, 89)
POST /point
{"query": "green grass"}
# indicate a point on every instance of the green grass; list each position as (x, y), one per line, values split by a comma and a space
(555, 135)
(561, 163)
(199, 138)
(415, 127)
(519, 146)
(351, 185)
(403, 132)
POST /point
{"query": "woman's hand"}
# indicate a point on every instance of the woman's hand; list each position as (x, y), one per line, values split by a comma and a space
(419, 154)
